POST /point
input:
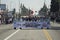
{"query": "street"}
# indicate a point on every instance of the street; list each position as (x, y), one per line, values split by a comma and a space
(8, 33)
(31, 16)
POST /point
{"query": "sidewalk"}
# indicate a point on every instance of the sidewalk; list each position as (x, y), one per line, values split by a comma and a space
(5, 25)
(55, 24)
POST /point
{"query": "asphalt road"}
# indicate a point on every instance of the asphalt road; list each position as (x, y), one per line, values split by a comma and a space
(8, 33)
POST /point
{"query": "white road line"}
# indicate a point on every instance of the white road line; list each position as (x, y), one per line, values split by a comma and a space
(11, 35)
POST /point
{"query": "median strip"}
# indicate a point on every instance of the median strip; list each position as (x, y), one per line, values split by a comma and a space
(47, 34)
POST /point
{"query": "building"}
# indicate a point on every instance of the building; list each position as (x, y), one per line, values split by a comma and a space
(2, 6)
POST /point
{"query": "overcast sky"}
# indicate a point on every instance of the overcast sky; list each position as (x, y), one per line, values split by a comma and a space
(32, 4)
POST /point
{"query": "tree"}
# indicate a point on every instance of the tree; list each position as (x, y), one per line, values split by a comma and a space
(13, 14)
(30, 11)
(14, 11)
(54, 6)
(24, 11)
(54, 9)
(43, 10)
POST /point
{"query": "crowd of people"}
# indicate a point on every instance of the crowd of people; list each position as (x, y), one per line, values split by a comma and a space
(31, 18)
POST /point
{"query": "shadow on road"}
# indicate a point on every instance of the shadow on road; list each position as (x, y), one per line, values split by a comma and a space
(55, 28)
(52, 28)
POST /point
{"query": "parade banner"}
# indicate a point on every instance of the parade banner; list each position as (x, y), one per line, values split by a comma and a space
(26, 24)
(35, 24)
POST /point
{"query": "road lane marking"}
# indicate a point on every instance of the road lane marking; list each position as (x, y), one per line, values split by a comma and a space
(11, 35)
(47, 34)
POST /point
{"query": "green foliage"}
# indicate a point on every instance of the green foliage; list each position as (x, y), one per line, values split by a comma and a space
(44, 9)
(24, 11)
(54, 6)
(14, 11)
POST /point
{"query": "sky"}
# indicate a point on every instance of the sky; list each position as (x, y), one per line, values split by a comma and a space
(32, 4)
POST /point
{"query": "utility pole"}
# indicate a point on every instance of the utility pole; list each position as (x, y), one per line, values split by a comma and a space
(19, 10)
(7, 7)
(19, 6)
